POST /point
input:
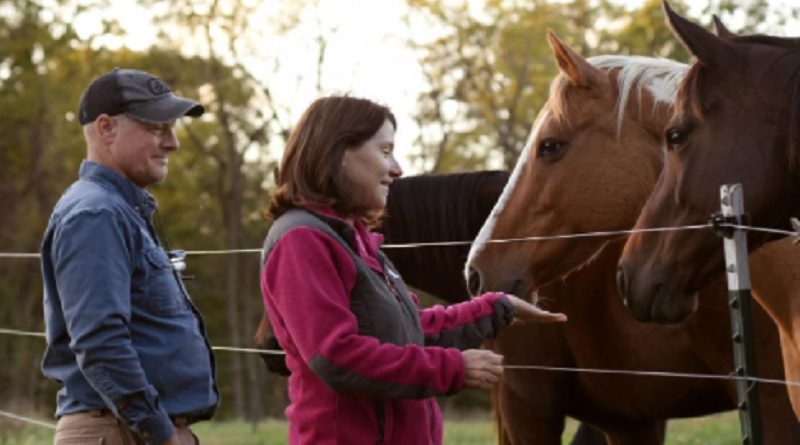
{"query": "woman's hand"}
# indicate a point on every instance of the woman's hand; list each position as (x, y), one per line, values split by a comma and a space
(530, 313)
(482, 368)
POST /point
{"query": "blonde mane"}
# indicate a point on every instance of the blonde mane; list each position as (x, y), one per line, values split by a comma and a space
(660, 77)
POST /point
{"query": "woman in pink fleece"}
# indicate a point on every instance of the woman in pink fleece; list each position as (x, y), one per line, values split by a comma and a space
(365, 360)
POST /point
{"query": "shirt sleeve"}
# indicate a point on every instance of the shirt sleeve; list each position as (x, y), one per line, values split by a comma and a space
(467, 324)
(93, 267)
(309, 277)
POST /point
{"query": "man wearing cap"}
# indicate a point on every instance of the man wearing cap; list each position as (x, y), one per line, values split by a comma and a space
(123, 337)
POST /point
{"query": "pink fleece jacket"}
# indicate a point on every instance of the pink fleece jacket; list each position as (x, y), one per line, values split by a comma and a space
(306, 284)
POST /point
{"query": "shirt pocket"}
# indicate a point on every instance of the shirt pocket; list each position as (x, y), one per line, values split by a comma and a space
(164, 296)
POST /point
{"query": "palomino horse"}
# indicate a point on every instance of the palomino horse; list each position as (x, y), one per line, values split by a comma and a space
(588, 169)
(737, 120)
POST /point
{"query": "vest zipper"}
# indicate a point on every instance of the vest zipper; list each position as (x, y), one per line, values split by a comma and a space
(432, 421)
(380, 417)
(403, 306)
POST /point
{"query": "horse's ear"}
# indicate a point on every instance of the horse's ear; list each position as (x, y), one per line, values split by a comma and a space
(721, 29)
(708, 48)
(579, 71)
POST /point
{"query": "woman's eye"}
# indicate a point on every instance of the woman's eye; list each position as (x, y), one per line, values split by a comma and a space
(675, 138)
(550, 148)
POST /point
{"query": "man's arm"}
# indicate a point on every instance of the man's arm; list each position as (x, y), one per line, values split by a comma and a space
(93, 266)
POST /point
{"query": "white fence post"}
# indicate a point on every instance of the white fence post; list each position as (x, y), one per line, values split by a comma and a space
(738, 274)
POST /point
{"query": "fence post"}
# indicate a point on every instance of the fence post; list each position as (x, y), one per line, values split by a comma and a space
(738, 274)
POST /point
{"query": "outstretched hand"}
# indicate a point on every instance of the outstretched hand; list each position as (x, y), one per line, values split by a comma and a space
(530, 313)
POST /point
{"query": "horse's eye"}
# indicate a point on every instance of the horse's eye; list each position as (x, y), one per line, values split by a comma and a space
(550, 148)
(675, 138)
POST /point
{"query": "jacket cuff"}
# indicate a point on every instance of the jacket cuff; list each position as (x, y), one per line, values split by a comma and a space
(504, 308)
(157, 429)
(458, 381)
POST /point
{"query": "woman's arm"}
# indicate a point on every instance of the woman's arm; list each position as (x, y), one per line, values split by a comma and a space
(467, 324)
(307, 281)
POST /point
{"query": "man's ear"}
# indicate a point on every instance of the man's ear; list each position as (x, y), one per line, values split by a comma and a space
(105, 127)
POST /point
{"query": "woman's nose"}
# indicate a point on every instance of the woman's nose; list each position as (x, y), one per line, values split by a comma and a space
(394, 168)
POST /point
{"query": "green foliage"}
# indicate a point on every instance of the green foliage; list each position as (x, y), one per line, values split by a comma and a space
(646, 33)
(44, 67)
(490, 70)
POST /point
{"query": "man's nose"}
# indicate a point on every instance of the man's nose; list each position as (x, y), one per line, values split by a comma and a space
(169, 140)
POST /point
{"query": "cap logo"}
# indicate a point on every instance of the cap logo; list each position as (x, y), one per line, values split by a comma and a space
(157, 87)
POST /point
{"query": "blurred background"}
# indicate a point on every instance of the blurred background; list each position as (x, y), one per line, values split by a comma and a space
(465, 79)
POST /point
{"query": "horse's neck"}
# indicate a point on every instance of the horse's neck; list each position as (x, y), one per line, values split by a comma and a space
(775, 276)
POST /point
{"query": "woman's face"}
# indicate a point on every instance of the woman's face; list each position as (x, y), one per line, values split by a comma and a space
(369, 169)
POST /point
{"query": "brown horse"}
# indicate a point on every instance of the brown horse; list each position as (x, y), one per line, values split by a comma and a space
(737, 120)
(750, 136)
(584, 169)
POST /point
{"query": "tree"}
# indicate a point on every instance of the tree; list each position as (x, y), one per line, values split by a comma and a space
(231, 146)
(45, 66)
(489, 70)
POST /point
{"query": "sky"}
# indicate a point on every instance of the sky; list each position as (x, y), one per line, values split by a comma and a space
(367, 55)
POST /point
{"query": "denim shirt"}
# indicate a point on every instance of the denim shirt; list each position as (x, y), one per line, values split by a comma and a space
(122, 332)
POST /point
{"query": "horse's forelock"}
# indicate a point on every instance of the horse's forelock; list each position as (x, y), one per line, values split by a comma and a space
(558, 99)
(660, 77)
(688, 103)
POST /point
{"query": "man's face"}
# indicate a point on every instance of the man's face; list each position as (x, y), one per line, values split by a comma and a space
(140, 150)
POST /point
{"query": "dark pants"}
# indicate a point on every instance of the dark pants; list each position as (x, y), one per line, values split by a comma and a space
(102, 428)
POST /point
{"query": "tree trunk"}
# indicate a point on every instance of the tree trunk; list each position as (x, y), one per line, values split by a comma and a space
(255, 381)
(233, 228)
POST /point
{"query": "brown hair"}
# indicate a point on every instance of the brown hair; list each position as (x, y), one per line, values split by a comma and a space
(311, 168)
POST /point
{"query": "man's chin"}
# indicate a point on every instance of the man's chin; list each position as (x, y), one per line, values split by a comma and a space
(154, 179)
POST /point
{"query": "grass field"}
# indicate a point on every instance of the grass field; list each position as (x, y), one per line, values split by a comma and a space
(712, 430)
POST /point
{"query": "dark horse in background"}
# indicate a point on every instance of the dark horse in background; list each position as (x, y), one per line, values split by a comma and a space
(737, 120)
(434, 208)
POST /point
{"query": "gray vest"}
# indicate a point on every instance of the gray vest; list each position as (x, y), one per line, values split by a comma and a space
(381, 302)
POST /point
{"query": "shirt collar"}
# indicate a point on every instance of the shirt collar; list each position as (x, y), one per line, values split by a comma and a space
(373, 239)
(365, 242)
(135, 196)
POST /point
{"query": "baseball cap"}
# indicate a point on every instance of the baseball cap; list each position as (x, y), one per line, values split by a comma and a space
(136, 93)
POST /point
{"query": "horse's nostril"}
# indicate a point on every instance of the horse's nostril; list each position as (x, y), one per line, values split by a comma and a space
(474, 282)
(622, 284)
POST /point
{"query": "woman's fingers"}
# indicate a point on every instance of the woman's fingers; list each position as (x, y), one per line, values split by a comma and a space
(531, 313)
